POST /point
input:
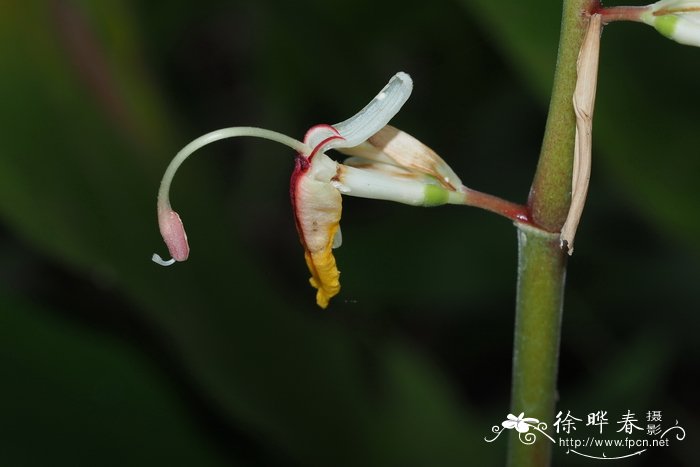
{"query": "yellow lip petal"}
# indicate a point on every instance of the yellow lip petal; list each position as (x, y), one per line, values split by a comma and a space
(324, 274)
(318, 227)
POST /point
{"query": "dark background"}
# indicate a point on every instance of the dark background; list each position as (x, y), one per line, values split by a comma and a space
(108, 359)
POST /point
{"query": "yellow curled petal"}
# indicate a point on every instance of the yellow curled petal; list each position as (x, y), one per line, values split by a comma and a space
(324, 274)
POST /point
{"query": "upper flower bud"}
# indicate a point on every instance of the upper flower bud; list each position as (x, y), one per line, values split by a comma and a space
(676, 19)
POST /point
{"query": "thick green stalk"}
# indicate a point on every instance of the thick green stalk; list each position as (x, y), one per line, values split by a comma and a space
(542, 262)
(540, 296)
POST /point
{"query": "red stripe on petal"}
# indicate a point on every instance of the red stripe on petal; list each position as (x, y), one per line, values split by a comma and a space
(323, 143)
(301, 166)
(322, 128)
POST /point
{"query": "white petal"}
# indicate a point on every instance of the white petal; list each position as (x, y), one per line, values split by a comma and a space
(407, 188)
(687, 31)
(374, 184)
(375, 115)
(391, 145)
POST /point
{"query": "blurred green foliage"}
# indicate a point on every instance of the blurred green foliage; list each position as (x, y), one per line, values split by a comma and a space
(225, 360)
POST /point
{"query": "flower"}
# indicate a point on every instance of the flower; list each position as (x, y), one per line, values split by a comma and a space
(385, 164)
(522, 425)
(676, 19)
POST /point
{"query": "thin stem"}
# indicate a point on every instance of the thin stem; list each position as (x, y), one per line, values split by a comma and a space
(169, 222)
(541, 261)
(622, 13)
(216, 135)
(508, 209)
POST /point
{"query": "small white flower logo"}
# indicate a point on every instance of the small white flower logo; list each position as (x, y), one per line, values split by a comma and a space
(521, 424)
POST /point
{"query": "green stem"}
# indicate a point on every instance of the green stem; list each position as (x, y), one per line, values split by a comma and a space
(550, 194)
(540, 296)
(541, 261)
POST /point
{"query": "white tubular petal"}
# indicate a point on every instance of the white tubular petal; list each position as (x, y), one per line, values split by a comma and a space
(379, 184)
(375, 115)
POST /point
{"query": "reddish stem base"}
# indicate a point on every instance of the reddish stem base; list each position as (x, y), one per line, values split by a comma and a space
(621, 13)
(513, 211)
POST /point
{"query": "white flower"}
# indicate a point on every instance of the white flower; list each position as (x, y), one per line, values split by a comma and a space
(386, 164)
